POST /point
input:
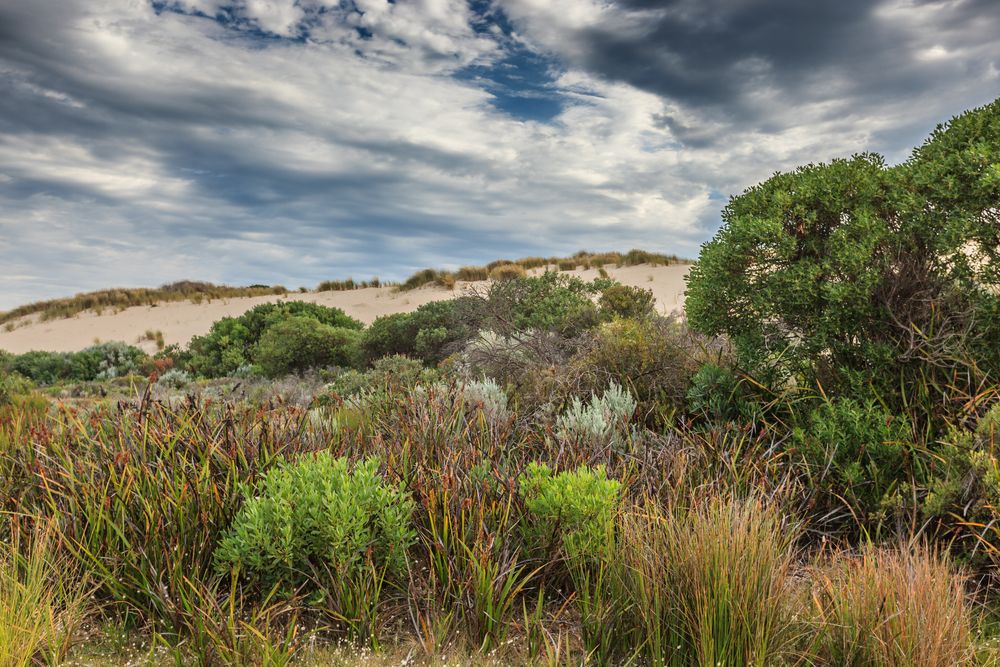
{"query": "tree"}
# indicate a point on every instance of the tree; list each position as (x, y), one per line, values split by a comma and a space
(852, 272)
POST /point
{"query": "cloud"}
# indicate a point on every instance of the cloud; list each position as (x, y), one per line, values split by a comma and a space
(276, 141)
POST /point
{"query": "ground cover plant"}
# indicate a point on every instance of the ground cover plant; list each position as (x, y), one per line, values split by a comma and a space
(546, 471)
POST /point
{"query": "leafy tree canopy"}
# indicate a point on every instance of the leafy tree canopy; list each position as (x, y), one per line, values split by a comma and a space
(851, 272)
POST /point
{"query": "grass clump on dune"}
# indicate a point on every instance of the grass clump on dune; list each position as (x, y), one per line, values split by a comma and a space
(119, 299)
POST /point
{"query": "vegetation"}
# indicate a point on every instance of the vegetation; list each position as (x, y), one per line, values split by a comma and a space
(544, 470)
(119, 299)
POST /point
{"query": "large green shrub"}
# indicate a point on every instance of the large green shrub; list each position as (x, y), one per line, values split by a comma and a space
(424, 334)
(319, 515)
(300, 343)
(857, 275)
(231, 342)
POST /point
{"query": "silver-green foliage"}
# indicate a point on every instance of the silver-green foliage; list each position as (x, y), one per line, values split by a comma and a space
(318, 513)
(175, 378)
(597, 422)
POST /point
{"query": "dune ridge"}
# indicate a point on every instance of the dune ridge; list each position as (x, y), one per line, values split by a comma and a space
(179, 321)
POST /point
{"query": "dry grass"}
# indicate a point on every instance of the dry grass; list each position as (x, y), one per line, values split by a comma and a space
(892, 608)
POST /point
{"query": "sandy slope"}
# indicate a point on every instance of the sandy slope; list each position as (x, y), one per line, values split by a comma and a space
(181, 320)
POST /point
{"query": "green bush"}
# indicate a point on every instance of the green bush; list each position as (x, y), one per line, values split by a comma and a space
(524, 304)
(424, 334)
(319, 515)
(13, 384)
(716, 394)
(626, 301)
(231, 342)
(300, 343)
(573, 510)
(857, 452)
(856, 275)
(103, 361)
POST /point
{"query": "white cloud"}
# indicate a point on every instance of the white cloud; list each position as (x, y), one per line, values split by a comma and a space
(141, 147)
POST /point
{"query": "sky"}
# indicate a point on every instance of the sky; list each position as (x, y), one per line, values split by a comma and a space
(293, 141)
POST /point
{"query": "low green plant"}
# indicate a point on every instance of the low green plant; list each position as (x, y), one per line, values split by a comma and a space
(13, 384)
(318, 514)
(573, 511)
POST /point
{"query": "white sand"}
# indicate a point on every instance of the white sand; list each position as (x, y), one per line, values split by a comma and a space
(179, 321)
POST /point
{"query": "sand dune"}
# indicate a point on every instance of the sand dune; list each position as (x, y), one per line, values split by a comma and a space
(180, 321)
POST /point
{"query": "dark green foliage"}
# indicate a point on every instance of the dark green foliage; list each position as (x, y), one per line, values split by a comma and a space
(232, 342)
(854, 275)
(626, 301)
(424, 334)
(301, 343)
(857, 452)
(715, 394)
(97, 362)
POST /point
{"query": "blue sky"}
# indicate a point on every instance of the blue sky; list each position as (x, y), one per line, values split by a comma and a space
(292, 141)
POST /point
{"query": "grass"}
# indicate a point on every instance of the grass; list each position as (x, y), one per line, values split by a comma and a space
(497, 269)
(702, 568)
(42, 605)
(119, 299)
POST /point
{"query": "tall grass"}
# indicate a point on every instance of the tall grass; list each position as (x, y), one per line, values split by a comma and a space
(141, 495)
(710, 585)
(43, 604)
(349, 284)
(892, 608)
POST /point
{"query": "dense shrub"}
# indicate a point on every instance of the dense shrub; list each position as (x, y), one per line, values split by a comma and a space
(300, 343)
(103, 361)
(857, 275)
(716, 394)
(319, 515)
(855, 452)
(626, 301)
(232, 342)
(426, 334)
